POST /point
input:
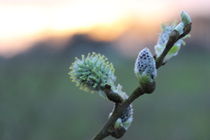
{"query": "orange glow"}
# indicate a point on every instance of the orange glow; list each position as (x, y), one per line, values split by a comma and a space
(23, 23)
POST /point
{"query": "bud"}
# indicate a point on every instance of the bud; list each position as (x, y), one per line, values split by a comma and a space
(180, 28)
(92, 73)
(163, 39)
(126, 118)
(185, 18)
(145, 67)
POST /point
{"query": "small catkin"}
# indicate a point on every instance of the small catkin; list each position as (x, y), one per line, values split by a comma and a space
(92, 73)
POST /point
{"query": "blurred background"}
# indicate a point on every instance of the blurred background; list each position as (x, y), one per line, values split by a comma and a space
(40, 38)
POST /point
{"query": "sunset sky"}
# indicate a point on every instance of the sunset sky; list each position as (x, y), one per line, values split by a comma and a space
(26, 21)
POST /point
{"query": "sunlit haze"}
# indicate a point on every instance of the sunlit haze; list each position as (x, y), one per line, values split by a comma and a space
(25, 21)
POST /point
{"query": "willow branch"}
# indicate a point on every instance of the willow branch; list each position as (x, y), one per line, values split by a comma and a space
(120, 104)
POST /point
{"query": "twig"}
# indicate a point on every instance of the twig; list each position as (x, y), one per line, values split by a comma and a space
(120, 104)
(112, 96)
(117, 112)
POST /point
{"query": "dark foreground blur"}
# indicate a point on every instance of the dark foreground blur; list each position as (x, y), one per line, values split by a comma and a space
(38, 101)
